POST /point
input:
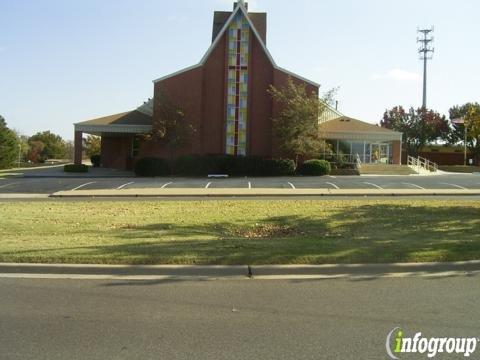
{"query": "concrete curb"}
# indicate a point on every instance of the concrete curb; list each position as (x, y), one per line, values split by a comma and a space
(265, 272)
(201, 192)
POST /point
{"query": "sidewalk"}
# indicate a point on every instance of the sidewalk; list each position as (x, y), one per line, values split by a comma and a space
(260, 272)
(236, 192)
(56, 171)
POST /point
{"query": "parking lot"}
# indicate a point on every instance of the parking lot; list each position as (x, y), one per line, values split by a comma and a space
(30, 185)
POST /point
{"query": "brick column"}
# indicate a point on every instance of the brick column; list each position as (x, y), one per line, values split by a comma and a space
(78, 144)
(397, 152)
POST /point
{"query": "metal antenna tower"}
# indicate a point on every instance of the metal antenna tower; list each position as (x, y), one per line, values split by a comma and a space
(426, 53)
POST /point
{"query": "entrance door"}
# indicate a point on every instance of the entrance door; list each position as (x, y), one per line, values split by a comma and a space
(379, 154)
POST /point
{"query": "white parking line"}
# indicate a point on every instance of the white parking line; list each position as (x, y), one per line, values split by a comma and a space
(374, 185)
(454, 185)
(332, 184)
(81, 186)
(122, 186)
(417, 186)
(208, 185)
(249, 185)
(291, 185)
(7, 185)
(165, 185)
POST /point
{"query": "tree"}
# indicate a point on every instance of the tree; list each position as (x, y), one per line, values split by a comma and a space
(54, 147)
(296, 125)
(172, 128)
(9, 149)
(419, 127)
(470, 114)
(92, 145)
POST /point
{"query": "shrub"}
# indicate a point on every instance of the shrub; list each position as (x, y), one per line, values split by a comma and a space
(95, 159)
(278, 167)
(233, 166)
(151, 166)
(315, 168)
(197, 165)
(73, 168)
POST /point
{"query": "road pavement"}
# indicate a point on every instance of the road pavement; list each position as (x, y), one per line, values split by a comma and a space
(231, 319)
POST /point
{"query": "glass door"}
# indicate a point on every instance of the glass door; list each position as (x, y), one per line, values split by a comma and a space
(379, 153)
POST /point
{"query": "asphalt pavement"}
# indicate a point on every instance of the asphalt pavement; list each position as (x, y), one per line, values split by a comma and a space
(45, 185)
(248, 319)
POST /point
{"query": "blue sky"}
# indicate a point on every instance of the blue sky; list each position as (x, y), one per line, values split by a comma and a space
(63, 62)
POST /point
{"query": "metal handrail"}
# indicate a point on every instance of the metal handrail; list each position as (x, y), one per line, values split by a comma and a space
(420, 163)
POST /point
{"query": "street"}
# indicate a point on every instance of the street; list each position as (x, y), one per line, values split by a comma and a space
(229, 319)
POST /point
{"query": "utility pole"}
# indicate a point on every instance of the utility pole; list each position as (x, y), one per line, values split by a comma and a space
(426, 53)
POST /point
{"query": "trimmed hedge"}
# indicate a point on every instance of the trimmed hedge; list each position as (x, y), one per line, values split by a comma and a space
(315, 167)
(233, 166)
(95, 159)
(73, 168)
(152, 166)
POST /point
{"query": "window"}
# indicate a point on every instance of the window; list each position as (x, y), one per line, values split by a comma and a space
(135, 146)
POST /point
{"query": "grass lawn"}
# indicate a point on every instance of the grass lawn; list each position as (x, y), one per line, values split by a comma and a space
(459, 168)
(240, 232)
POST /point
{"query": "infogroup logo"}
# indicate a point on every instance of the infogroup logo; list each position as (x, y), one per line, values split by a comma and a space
(397, 344)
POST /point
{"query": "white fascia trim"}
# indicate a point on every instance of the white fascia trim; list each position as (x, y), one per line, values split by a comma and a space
(177, 73)
(297, 76)
(240, 7)
(124, 129)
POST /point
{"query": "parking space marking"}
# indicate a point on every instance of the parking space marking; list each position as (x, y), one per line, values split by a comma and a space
(374, 185)
(332, 184)
(414, 185)
(124, 185)
(208, 185)
(291, 185)
(165, 185)
(249, 185)
(81, 186)
(454, 185)
(3, 186)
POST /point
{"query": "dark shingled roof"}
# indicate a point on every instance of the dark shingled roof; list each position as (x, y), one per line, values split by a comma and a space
(134, 117)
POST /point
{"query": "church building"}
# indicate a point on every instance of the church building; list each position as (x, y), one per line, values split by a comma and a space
(226, 100)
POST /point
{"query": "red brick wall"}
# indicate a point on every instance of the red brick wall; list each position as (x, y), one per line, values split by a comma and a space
(214, 100)
(116, 152)
(442, 158)
(396, 152)
(259, 128)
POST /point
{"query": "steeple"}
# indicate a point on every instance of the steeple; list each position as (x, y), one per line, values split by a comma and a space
(240, 2)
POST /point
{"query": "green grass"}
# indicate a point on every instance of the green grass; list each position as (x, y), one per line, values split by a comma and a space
(459, 168)
(240, 232)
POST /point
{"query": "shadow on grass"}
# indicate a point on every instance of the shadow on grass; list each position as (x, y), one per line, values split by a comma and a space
(377, 233)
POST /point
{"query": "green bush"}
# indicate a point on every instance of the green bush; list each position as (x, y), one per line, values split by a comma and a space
(315, 167)
(73, 168)
(277, 167)
(151, 166)
(95, 159)
(198, 165)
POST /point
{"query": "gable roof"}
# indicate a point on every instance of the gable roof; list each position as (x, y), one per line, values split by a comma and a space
(239, 8)
(347, 128)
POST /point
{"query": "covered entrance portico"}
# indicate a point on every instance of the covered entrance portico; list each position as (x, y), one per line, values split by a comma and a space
(120, 134)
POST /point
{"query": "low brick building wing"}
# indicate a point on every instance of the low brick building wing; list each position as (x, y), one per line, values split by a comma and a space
(353, 140)
(224, 97)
